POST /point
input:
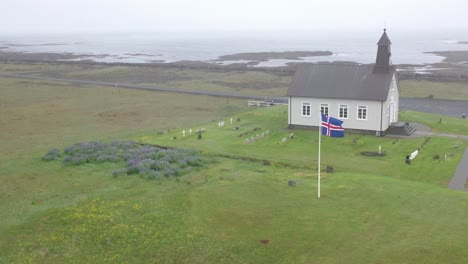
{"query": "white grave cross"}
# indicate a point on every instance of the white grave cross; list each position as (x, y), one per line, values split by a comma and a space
(183, 132)
(190, 131)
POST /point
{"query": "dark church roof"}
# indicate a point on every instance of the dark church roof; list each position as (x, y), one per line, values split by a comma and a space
(341, 81)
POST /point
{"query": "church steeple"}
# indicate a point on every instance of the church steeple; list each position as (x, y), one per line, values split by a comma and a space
(382, 62)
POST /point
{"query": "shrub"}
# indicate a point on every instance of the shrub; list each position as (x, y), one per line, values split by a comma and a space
(149, 162)
(153, 175)
(51, 155)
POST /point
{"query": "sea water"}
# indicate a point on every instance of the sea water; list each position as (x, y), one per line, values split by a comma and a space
(360, 47)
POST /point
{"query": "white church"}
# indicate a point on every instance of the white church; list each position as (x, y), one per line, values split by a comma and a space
(365, 97)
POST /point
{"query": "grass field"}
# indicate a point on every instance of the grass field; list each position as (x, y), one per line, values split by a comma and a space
(236, 209)
(436, 90)
(449, 124)
(302, 149)
(246, 82)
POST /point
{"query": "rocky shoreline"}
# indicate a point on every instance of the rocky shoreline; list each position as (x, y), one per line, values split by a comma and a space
(265, 56)
(453, 68)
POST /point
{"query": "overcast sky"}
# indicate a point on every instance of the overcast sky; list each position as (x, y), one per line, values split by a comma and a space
(56, 16)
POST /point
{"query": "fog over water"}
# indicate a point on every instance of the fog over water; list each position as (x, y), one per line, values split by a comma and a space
(138, 31)
(359, 46)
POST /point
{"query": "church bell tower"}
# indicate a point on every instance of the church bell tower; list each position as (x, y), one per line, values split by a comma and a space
(383, 62)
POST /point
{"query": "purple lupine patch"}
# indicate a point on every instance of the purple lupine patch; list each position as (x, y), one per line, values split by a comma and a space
(148, 161)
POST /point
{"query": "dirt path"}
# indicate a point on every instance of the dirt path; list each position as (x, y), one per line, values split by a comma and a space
(435, 106)
(458, 180)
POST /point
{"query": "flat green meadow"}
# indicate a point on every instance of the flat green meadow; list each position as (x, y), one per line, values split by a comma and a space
(238, 208)
(434, 89)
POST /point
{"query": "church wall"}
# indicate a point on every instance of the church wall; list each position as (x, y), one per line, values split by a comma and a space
(373, 112)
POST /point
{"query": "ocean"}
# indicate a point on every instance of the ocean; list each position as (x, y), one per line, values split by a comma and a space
(360, 47)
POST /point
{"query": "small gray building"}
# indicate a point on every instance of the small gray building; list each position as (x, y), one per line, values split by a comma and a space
(365, 97)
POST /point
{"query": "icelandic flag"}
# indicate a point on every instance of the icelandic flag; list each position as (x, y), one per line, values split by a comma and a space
(332, 126)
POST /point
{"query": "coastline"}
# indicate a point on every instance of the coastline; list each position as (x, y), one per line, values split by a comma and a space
(453, 68)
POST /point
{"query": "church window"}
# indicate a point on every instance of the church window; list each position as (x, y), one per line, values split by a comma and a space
(362, 112)
(305, 109)
(324, 109)
(343, 112)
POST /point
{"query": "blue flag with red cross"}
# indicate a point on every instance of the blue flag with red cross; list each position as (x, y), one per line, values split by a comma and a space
(332, 126)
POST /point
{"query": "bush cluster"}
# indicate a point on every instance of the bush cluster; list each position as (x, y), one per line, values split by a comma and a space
(52, 154)
(147, 161)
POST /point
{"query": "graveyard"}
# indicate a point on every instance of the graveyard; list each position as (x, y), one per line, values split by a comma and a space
(236, 207)
(262, 135)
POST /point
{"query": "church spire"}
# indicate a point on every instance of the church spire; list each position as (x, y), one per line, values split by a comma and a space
(382, 62)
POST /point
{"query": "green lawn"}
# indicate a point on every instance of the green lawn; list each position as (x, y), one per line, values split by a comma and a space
(451, 125)
(226, 212)
(236, 209)
(344, 154)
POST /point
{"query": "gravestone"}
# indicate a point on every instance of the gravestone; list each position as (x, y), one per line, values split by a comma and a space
(292, 183)
(284, 140)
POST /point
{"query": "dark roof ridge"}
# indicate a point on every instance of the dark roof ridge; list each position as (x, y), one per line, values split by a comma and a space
(325, 80)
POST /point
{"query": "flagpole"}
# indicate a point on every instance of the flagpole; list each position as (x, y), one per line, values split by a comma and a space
(320, 143)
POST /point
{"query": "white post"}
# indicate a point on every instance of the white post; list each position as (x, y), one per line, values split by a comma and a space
(320, 142)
